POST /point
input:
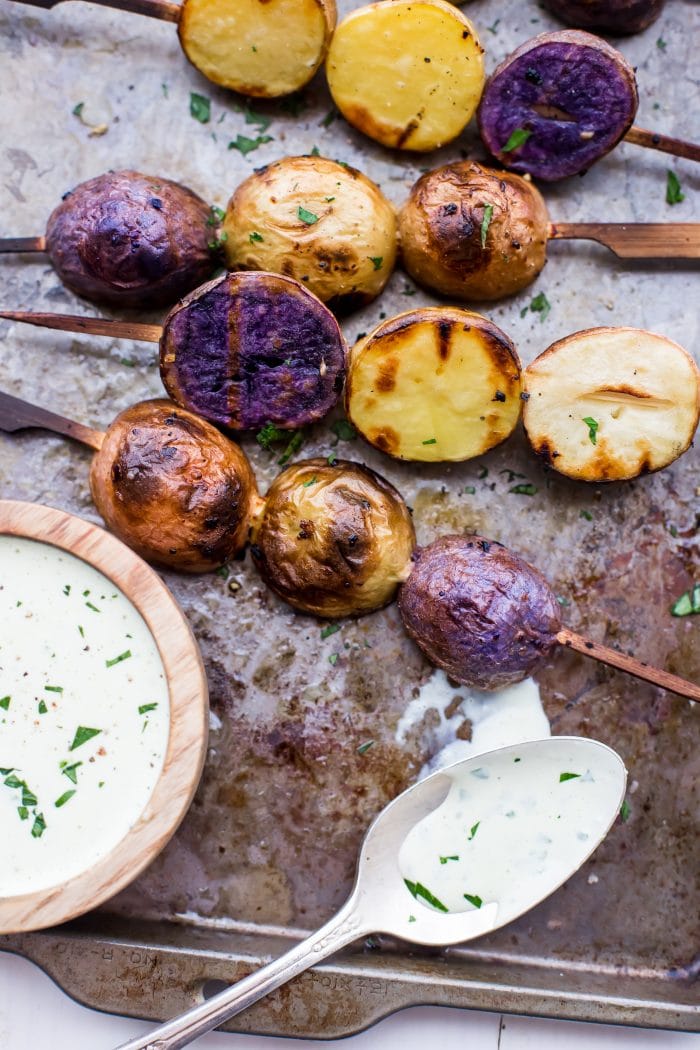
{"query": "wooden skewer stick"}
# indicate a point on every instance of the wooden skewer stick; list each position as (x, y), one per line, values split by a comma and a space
(163, 9)
(637, 668)
(664, 143)
(147, 333)
(22, 244)
(16, 414)
(635, 240)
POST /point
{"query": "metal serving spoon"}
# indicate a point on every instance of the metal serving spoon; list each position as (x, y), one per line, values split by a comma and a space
(381, 899)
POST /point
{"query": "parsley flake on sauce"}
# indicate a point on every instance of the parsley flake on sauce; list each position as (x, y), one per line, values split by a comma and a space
(517, 138)
(5, 702)
(42, 707)
(145, 708)
(473, 830)
(418, 890)
(563, 777)
(71, 772)
(82, 735)
(53, 688)
(39, 826)
(444, 860)
(65, 797)
(306, 216)
(118, 659)
(593, 426)
(473, 898)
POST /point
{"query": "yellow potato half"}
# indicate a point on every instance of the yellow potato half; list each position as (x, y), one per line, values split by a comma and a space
(432, 384)
(608, 404)
(318, 221)
(408, 74)
(264, 48)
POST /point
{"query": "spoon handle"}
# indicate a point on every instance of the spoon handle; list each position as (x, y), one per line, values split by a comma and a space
(342, 929)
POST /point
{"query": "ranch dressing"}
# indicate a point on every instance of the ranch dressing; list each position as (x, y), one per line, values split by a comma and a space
(511, 828)
(84, 715)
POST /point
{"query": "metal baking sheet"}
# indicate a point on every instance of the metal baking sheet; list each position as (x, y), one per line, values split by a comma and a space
(268, 848)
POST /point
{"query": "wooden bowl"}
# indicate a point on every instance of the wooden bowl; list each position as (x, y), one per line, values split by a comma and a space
(187, 688)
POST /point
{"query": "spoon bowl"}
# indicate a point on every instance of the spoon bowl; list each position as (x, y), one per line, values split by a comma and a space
(540, 778)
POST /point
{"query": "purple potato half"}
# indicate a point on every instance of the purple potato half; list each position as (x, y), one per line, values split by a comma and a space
(131, 239)
(561, 101)
(479, 611)
(619, 17)
(253, 348)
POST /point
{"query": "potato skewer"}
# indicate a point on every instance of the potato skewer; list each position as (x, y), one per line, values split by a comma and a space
(241, 351)
(262, 49)
(167, 483)
(560, 102)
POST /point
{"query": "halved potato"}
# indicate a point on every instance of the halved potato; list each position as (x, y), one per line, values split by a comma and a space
(408, 73)
(433, 384)
(264, 48)
(321, 222)
(608, 404)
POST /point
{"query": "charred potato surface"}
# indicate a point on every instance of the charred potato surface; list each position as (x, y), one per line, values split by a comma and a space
(333, 540)
(253, 348)
(478, 611)
(619, 17)
(558, 104)
(608, 404)
(408, 73)
(473, 233)
(264, 48)
(173, 488)
(433, 384)
(323, 223)
(131, 239)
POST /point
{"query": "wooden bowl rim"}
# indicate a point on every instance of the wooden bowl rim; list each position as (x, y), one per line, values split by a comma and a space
(189, 708)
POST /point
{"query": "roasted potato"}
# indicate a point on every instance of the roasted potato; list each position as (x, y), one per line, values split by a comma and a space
(408, 73)
(253, 348)
(323, 223)
(131, 239)
(264, 48)
(473, 233)
(173, 488)
(333, 540)
(558, 104)
(608, 404)
(619, 17)
(478, 611)
(437, 383)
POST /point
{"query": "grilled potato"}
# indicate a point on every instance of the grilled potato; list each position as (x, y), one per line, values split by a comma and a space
(264, 48)
(408, 73)
(173, 488)
(473, 233)
(437, 383)
(333, 540)
(608, 404)
(318, 221)
(618, 17)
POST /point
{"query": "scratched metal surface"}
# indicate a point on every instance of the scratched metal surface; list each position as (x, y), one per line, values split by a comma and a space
(269, 845)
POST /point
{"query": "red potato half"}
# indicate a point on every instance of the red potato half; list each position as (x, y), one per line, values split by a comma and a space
(557, 104)
(253, 348)
(263, 48)
(434, 384)
(608, 404)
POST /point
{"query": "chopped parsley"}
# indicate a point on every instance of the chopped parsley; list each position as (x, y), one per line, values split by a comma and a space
(66, 589)
(517, 138)
(5, 702)
(71, 771)
(216, 215)
(485, 223)
(217, 243)
(585, 514)
(306, 216)
(661, 43)
(331, 628)
(333, 659)
(411, 918)
(82, 735)
(145, 708)
(524, 490)
(42, 707)
(429, 441)
(93, 607)
(539, 305)
(258, 120)
(293, 446)
(473, 898)
(39, 826)
(593, 426)
(418, 890)
(625, 811)
(311, 481)
(444, 860)
(269, 434)
(328, 119)
(467, 490)
(255, 237)
(77, 110)
(688, 604)
(246, 145)
(563, 777)
(344, 430)
(364, 748)
(65, 797)
(200, 107)
(53, 688)
(376, 261)
(473, 830)
(674, 194)
(118, 659)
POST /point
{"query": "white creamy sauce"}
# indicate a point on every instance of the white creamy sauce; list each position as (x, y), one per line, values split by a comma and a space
(84, 715)
(511, 829)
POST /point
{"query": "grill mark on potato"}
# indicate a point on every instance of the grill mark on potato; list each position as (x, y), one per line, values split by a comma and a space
(444, 334)
(626, 395)
(386, 375)
(412, 126)
(385, 438)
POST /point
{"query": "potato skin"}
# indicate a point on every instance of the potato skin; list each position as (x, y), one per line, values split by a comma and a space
(131, 239)
(336, 257)
(173, 488)
(333, 540)
(618, 17)
(573, 92)
(441, 232)
(478, 611)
